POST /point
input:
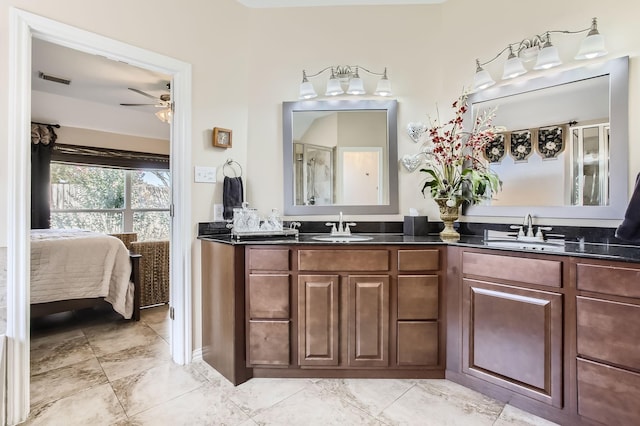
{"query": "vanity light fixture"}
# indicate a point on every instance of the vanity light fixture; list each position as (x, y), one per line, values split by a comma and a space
(540, 48)
(342, 75)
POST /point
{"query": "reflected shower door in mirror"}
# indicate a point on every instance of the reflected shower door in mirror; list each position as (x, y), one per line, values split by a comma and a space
(340, 156)
(590, 160)
(564, 151)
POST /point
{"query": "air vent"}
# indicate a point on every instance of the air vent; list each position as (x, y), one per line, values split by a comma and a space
(54, 79)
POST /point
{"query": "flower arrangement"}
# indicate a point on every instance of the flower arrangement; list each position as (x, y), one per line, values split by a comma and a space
(455, 168)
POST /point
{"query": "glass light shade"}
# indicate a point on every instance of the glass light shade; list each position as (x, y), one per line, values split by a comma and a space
(592, 47)
(513, 68)
(547, 58)
(334, 87)
(482, 80)
(164, 115)
(307, 91)
(356, 86)
(383, 88)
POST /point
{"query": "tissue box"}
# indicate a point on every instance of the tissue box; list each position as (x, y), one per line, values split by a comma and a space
(416, 225)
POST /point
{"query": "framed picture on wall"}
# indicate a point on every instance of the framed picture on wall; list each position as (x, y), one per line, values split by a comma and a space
(221, 137)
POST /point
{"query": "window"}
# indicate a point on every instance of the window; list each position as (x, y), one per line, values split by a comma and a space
(111, 200)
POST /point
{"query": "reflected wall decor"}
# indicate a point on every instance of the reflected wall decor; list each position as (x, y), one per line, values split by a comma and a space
(520, 146)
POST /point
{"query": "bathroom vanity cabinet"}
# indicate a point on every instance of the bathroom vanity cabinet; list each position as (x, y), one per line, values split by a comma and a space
(608, 341)
(554, 334)
(366, 312)
(331, 311)
(512, 323)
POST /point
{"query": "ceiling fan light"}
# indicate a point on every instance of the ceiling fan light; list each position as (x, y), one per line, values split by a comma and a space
(164, 115)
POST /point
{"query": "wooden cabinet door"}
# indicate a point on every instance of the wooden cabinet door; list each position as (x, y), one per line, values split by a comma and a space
(512, 337)
(318, 320)
(368, 305)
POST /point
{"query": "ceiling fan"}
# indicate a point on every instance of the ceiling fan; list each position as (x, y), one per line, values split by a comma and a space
(163, 101)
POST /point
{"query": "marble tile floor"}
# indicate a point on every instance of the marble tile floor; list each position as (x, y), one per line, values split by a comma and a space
(102, 370)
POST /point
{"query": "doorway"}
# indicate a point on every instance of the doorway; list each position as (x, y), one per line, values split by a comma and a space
(23, 27)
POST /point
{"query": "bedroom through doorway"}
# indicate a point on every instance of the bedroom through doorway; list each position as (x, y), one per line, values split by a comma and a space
(24, 28)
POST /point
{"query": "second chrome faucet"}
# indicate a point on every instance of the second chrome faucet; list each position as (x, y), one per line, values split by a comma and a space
(526, 233)
(341, 228)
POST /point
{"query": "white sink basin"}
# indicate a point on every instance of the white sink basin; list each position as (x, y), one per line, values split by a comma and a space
(342, 238)
(527, 245)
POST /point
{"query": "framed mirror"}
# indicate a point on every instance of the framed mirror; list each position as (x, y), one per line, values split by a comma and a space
(564, 151)
(340, 156)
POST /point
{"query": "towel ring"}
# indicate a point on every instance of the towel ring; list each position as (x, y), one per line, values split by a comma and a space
(229, 163)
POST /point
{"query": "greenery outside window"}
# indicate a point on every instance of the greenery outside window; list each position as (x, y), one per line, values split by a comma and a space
(111, 200)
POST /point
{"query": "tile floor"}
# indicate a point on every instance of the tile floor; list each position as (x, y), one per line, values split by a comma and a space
(92, 369)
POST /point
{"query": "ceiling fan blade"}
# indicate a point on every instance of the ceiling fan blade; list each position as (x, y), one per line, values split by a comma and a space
(138, 104)
(143, 93)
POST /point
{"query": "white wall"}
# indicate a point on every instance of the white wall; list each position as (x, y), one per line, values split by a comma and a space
(246, 62)
(430, 53)
(95, 138)
(212, 36)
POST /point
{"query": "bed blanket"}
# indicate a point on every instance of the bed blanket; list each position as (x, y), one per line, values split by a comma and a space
(78, 264)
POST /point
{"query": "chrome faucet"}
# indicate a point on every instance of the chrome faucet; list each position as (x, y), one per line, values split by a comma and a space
(526, 231)
(529, 222)
(342, 228)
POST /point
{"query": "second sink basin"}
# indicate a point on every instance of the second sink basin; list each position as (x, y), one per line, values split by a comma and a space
(342, 238)
(530, 245)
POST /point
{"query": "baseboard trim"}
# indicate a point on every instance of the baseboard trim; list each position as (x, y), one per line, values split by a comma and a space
(196, 355)
(3, 380)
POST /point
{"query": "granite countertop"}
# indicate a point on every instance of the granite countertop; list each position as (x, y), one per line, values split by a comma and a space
(594, 250)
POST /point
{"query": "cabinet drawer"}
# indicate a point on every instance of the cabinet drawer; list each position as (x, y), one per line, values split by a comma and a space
(521, 269)
(609, 331)
(418, 297)
(418, 260)
(343, 260)
(607, 394)
(268, 259)
(269, 342)
(417, 343)
(269, 296)
(608, 279)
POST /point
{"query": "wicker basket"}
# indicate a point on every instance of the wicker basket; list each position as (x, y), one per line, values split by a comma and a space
(154, 271)
(127, 238)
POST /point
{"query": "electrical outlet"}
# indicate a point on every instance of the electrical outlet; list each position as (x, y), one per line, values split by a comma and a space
(205, 174)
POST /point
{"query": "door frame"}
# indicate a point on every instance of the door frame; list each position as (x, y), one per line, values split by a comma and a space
(22, 27)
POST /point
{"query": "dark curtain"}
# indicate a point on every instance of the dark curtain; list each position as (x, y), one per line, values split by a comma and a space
(43, 138)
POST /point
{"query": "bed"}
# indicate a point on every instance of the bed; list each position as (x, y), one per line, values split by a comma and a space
(74, 269)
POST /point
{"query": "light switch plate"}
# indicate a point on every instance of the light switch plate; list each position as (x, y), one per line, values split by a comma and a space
(218, 212)
(205, 174)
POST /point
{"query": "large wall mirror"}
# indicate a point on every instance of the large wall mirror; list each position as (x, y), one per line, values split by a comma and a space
(564, 151)
(340, 156)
